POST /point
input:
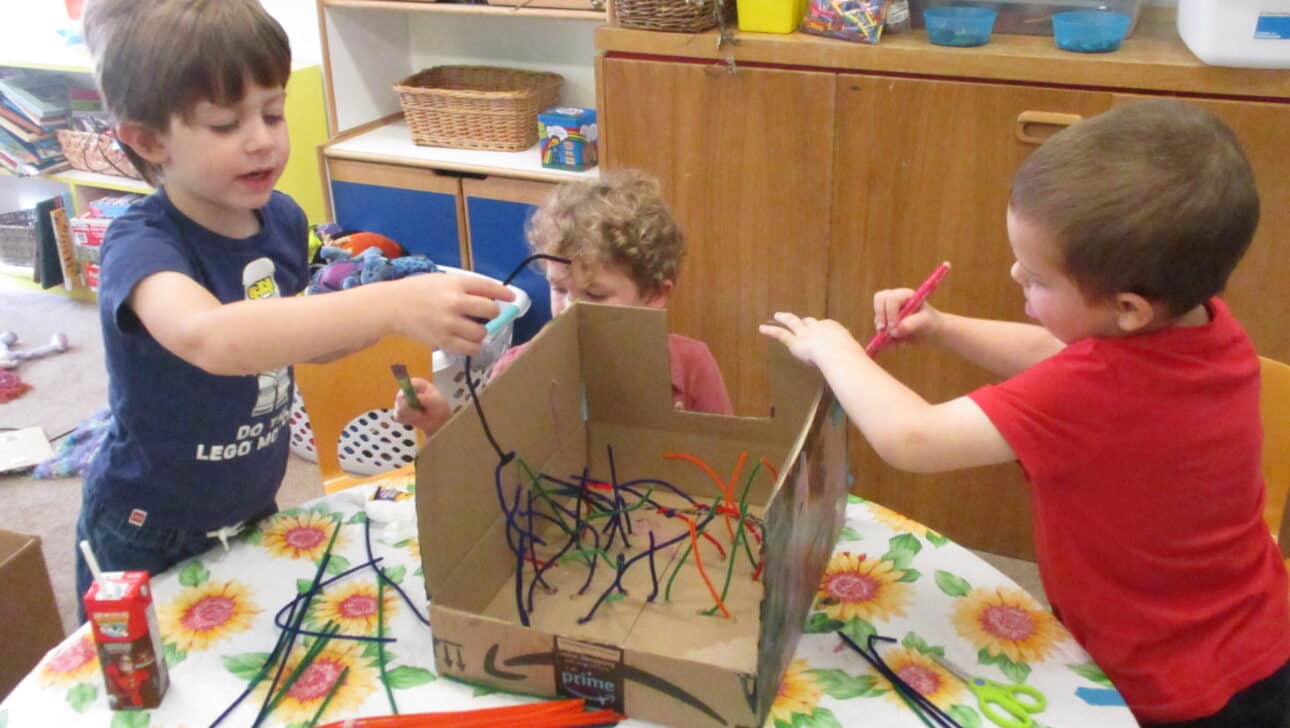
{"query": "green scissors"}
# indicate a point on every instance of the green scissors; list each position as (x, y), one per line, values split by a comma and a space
(1008, 706)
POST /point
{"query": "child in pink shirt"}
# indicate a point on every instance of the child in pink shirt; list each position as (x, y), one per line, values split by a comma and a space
(626, 250)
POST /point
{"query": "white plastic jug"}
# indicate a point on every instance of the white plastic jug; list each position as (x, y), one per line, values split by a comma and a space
(1241, 33)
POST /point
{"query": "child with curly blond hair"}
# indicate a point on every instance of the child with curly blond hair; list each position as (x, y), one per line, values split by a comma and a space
(625, 249)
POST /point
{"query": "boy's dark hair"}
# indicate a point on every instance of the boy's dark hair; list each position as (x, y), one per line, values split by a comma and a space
(1154, 198)
(158, 58)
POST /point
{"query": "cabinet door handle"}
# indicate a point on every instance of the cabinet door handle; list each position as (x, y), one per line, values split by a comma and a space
(1041, 118)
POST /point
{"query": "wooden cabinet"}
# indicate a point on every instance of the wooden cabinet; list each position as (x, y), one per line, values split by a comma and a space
(810, 173)
(415, 207)
(906, 196)
(744, 159)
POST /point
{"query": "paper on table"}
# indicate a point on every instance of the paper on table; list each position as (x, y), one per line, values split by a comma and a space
(23, 448)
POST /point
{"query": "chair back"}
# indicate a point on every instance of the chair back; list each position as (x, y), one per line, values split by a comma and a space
(338, 391)
(1274, 409)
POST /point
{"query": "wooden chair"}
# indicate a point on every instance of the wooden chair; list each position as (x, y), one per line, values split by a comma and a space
(1274, 405)
(336, 392)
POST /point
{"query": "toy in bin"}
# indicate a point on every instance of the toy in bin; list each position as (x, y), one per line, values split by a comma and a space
(568, 136)
(854, 20)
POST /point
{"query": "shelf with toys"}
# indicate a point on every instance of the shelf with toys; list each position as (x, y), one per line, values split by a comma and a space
(461, 207)
(388, 143)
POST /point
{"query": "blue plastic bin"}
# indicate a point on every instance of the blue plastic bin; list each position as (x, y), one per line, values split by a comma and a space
(959, 25)
(1090, 31)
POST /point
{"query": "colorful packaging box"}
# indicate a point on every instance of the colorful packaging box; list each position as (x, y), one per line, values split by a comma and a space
(87, 230)
(568, 136)
(124, 622)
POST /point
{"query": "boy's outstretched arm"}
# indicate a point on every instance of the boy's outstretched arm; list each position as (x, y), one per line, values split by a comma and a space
(906, 431)
(252, 336)
(1005, 348)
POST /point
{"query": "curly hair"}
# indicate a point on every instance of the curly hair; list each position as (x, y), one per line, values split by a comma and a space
(620, 219)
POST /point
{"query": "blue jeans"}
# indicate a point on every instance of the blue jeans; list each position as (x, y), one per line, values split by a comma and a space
(119, 545)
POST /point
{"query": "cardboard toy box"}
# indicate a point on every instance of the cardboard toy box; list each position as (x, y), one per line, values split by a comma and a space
(29, 621)
(589, 408)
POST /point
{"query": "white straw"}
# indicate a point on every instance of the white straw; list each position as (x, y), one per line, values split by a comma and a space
(90, 560)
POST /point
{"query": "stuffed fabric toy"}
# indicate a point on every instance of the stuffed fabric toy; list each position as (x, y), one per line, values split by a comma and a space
(344, 270)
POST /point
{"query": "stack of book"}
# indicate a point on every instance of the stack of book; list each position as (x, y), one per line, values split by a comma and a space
(33, 106)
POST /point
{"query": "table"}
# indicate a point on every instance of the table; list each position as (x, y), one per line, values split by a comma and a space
(887, 573)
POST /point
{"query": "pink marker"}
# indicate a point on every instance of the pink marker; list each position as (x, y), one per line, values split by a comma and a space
(914, 303)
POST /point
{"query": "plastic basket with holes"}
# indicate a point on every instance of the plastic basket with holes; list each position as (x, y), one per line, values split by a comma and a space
(373, 442)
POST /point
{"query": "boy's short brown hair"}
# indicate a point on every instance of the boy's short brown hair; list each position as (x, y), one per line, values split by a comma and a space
(158, 58)
(1154, 198)
(620, 219)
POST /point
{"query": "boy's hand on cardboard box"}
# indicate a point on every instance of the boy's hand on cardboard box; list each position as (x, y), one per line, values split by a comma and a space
(918, 327)
(434, 411)
(813, 341)
(446, 310)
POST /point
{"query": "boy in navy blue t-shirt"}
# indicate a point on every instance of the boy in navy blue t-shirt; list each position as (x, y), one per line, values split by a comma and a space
(198, 282)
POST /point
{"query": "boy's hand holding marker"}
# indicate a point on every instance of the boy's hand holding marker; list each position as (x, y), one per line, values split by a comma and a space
(898, 315)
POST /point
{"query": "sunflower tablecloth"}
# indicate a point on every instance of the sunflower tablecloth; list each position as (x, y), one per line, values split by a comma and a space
(888, 574)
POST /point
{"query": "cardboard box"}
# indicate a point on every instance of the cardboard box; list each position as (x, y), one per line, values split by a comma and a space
(597, 378)
(29, 621)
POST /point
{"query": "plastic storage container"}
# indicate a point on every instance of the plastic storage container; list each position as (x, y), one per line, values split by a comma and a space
(1089, 31)
(959, 26)
(770, 16)
(1241, 33)
(1034, 17)
(373, 442)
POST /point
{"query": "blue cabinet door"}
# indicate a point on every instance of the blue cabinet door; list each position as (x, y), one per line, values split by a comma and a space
(497, 215)
(423, 222)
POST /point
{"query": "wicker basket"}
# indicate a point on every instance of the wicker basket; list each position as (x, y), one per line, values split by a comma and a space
(476, 107)
(673, 16)
(18, 238)
(90, 152)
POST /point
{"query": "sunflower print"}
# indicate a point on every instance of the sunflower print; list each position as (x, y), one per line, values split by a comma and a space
(207, 614)
(353, 607)
(310, 689)
(922, 674)
(798, 695)
(1007, 621)
(855, 586)
(896, 521)
(300, 535)
(71, 663)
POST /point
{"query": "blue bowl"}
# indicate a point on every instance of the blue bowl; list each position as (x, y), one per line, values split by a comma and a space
(1090, 31)
(959, 26)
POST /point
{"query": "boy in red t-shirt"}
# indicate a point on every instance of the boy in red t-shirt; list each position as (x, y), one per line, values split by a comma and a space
(626, 250)
(1132, 408)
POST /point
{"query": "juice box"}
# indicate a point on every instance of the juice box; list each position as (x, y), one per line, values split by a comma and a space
(124, 622)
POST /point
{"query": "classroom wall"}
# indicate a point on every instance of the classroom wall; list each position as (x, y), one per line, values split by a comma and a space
(300, 19)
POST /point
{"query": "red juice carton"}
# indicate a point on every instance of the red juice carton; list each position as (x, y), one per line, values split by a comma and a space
(124, 622)
(568, 136)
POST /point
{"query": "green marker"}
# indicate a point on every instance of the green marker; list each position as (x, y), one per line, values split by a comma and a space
(410, 394)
